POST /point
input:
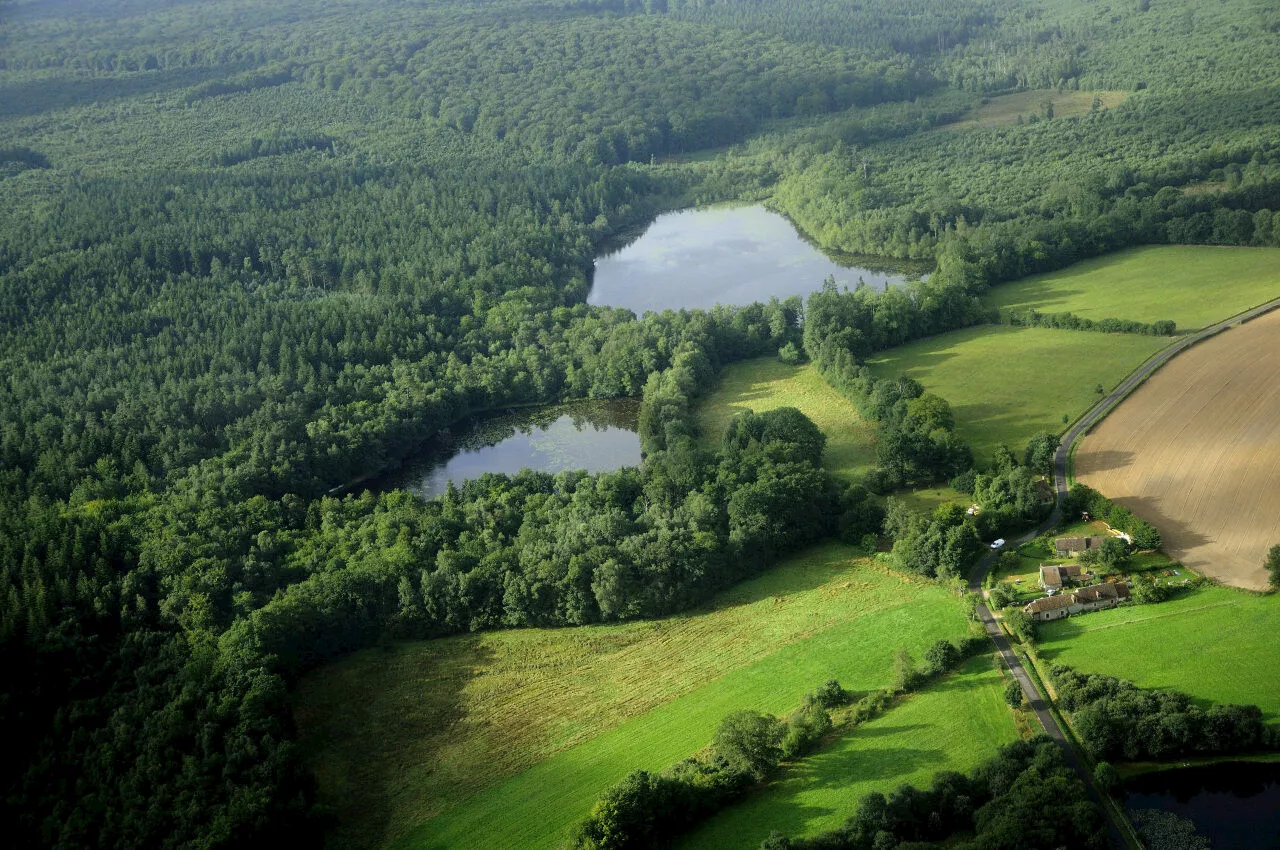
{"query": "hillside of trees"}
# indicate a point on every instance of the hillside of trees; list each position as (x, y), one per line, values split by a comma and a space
(250, 252)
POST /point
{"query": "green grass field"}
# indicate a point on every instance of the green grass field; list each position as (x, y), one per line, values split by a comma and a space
(1005, 384)
(1216, 644)
(1003, 111)
(767, 383)
(1153, 283)
(951, 725)
(505, 739)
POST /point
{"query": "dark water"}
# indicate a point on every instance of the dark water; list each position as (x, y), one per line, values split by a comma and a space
(725, 255)
(1234, 805)
(593, 435)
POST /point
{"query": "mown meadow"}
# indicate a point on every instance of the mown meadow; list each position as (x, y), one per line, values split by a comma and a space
(506, 738)
(950, 725)
(1214, 643)
(1152, 283)
(1006, 383)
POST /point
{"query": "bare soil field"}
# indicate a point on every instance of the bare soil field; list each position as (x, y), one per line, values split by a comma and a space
(1196, 451)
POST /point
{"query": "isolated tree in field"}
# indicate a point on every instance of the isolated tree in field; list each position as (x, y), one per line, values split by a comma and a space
(941, 657)
(1273, 566)
(750, 742)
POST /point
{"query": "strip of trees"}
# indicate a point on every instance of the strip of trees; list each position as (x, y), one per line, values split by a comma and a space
(1117, 720)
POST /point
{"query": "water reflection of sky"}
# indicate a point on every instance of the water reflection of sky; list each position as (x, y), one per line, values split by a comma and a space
(724, 255)
(597, 436)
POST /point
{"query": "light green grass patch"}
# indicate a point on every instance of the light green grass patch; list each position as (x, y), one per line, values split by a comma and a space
(767, 383)
(1194, 285)
(1216, 644)
(927, 499)
(505, 739)
(1005, 384)
(1003, 111)
(951, 725)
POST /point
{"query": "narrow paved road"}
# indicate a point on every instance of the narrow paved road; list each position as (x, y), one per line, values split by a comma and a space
(1082, 425)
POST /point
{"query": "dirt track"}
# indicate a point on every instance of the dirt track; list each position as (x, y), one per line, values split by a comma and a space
(1196, 451)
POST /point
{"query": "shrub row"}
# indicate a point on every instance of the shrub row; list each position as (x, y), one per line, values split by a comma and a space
(1072, 322)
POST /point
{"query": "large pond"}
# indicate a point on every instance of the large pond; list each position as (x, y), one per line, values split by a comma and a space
(725, 255)
(1234, 805)
(597, 436)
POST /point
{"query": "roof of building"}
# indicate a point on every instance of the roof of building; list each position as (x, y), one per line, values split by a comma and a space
(1053, 574)
(1047, 603)
(1077, 544)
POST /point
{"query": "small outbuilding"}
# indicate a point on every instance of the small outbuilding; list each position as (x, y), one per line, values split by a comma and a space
(1054, 577)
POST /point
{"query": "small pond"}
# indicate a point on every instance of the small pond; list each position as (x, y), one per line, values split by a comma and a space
(593, 435)
(726, 255)
(1233, 805)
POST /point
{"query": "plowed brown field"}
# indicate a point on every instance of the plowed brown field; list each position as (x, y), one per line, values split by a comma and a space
(1196, 451)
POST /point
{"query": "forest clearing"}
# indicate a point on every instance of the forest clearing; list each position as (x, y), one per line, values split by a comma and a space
(766, 383)
(1196, 450)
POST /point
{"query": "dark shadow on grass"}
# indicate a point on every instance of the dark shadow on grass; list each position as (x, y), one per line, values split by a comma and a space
(360, 743)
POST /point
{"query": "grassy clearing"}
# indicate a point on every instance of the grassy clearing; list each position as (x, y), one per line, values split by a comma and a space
(1216, 644)
(1153, 283)
(1003, 111)
(1005, 384)
(505, 739)
(767, 383)
(951, 725)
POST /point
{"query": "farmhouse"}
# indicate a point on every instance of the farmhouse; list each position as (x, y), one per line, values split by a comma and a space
(1053, 577)
(1093, 598)
(1072, 546)
(1048, 607)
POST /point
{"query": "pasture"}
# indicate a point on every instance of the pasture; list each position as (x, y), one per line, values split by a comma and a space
(766, 383)
(1005, 384)
(505, 739)
(1196, 451)
(951, 725)
(1151, 284)
(1003, 111)
(1215, 643)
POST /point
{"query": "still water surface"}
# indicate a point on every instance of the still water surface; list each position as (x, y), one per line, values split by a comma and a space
(725, 255)
(1234, 805)
(597, 436)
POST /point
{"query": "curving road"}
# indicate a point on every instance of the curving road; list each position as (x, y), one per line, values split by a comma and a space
(1060, 458)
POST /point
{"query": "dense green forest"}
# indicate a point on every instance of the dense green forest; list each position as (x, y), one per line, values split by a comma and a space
(251, 252)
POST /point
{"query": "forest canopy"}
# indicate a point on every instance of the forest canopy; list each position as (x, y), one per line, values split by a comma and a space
(251, 252)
